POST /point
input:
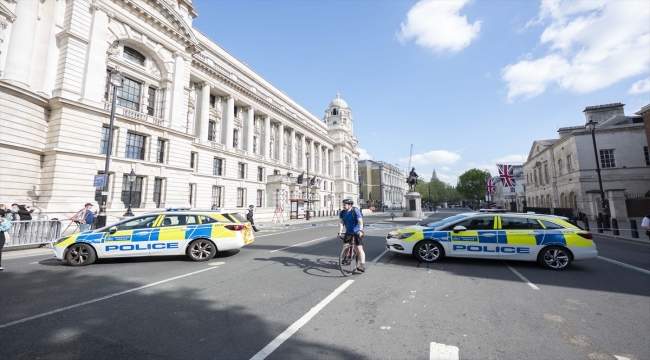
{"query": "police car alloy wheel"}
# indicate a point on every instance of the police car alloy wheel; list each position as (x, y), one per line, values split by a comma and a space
(201, 250)
(555, 258)
(80, 254)
(428, 251)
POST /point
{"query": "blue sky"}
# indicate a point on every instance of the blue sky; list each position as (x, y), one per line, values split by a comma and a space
(468, 83)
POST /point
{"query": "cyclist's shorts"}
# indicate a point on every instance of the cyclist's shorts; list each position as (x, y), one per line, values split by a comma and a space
(348, 237)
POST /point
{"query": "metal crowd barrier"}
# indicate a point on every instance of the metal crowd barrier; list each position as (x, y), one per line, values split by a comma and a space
(32, 232)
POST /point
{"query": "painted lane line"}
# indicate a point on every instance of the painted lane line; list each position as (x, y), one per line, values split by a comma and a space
(443, 352)
(618, 357)
(374, 262)
(279, 233)
(306, 242)
(268, 349)
(102, 298)
(522, 277)
(625, 265)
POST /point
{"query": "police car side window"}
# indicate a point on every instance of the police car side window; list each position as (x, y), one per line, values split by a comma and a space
(208, 220)
(476, 223)
(551, 225)
(534, 224)
(179, 220)
(137, 223)
(513, 223)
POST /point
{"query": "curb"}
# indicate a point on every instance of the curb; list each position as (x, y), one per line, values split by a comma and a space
(618, 237)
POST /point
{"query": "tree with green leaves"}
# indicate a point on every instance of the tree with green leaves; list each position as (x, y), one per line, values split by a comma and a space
(471, 185)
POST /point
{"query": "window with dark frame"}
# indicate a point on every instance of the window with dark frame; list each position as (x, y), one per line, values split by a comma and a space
(217, 194)
(128, 95)
(213, 101)
(260, 198)
(254, 144)
(135, 146)
(133, 56)
(260, 173)
(241, 194)
(241, 173)
(217, 166)
(235, 139)
(235, 111)
(212, 130)
(191, 199)
(569, 164)
(646, 153)
(607, 159)
(136, 195)
(151, 102)
(160, 151)
(157, 191)
(559, 166)
(103, 144)
(193, 157)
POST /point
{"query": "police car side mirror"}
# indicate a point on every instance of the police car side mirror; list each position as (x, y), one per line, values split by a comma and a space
(459, 228)
(112, 230)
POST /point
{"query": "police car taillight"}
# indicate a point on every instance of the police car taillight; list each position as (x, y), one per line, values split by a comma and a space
(235, 227)
(586, 235)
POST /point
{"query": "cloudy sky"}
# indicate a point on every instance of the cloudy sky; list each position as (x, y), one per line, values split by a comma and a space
(468, 83)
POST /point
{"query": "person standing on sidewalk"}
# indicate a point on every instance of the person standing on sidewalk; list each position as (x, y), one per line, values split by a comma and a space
(645, 225)
(24, 214)
(89, 218)
(249, 217)
(5, 225)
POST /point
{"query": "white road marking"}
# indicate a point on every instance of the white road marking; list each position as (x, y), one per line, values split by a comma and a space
(306, 242)
(443, 352)
(9, 257)
(621, 357)
(625, 265)
(101, 298)
(522, 277)
(374, 262)
(268, 349)
(279, 232)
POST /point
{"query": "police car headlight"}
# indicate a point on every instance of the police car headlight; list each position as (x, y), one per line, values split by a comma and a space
(400, 236)
(61, 240)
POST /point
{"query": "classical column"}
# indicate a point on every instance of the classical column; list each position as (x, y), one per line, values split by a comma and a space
(20, 51)
(267, 137)
(250, 130)
(178, 113)
(303, 149)
(294, 156)
(311, 156)
(280, 141)
(95, 71)
(327, 162)
(320, 159)
(205, 113)
(230, 121)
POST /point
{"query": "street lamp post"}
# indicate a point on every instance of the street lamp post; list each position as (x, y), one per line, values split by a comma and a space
(591, 125)
(308, 185)
(132, 178)
(116, 79)
(339, 203)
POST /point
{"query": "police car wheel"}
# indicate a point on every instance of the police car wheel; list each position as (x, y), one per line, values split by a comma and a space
(80, 255)
(554, 258)
(428, 251)
(201, 250)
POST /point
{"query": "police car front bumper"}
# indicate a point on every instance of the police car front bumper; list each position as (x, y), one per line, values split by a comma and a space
(59, 251)
(398, 246)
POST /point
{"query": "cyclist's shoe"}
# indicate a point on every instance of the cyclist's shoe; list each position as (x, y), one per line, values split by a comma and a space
(361, 268)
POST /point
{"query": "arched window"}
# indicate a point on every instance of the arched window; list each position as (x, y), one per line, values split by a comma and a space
(334, 112)
(133, 56)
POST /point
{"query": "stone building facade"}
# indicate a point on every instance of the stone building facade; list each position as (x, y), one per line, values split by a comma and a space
(511, 198)
(196, 125)
(562, 172)
(382, 185)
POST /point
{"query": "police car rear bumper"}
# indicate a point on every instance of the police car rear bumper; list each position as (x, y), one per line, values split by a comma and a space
(584, 253)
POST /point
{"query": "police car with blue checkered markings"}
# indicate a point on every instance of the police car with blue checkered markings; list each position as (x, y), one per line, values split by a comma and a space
(550, 240)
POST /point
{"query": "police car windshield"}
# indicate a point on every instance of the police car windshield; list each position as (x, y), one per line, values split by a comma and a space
(446, 221)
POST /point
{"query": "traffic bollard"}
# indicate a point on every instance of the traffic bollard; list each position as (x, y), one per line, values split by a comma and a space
(615, 227)
(635, 230)
(586, 222)
(575, 220)
(606, 224)
(599, 225)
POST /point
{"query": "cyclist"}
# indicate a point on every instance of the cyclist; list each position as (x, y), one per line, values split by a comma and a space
(351, 218)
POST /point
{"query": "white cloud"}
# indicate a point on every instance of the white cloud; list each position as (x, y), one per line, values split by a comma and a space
(363, 154)
(591, 45)
(640, 87)
(438, 25)
(513, 159)
(433, 157)
(445, 168)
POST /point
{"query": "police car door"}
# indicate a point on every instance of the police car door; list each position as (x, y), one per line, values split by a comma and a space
(130, 239)
(519, 237)
(173, 233)
(479, 240)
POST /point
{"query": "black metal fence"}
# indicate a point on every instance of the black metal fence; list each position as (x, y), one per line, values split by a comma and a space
(538, 210)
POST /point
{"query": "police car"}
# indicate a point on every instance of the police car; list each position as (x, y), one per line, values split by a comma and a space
(197, 234)
(550, 240)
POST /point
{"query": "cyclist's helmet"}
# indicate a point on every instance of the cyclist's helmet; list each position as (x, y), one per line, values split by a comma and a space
(348, 201)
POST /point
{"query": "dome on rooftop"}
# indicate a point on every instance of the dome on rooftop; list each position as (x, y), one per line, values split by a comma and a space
(339, 102)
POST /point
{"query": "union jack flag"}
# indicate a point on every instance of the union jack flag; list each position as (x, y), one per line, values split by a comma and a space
(506, 174)
(490, 185)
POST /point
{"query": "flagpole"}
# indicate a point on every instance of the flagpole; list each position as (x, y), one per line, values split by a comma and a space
(308, 183)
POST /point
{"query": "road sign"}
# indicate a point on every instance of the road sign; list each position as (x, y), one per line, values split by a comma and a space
(100, 180)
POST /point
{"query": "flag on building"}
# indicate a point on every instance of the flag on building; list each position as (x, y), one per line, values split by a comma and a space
(506, 174)
(319, 181)
(300, 177)
(313, 181)
(490, 185)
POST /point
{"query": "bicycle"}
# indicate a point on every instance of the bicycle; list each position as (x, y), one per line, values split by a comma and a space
(349, 258)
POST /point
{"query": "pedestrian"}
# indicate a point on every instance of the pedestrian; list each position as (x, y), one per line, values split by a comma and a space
(214, 207)
(5, 225)
(249, 217)
(88, 219)
(22, 213)
(645, 225)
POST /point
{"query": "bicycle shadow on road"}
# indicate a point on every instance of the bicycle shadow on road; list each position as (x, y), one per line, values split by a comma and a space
(322, 267)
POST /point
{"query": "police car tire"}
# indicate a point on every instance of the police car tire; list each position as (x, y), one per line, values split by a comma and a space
(80, 255)
(433, 246)
(554, 251)
(212, 248)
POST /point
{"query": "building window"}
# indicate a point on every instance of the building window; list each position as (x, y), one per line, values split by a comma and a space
(235, 139)
(133, 56)
(241, 192)
(260, 173)
(212, 130)
(361, 195)
(559, 166)
(160, 151)
(157, 191)
(236, 111)
(254, 144)
(217, 194)
(569, 164)
(647, 155)
(512, 189)
(217, 166)
(193, 160)
(192, 191)
(135, 194)
(276, 172)
(334, 112)
(160, 104)
(103, 144)
(151, 103)
(546, 173)
(241, 171)
(607, 159)
(213, 101)
(260, 198)
(129, 95)
(134, 146)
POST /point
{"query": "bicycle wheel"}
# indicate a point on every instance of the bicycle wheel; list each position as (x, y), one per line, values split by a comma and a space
(348, 261)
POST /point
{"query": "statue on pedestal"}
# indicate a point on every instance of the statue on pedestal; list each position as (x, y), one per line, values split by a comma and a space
(412, 180)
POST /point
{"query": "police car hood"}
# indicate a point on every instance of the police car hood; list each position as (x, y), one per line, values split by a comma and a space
(410, 228)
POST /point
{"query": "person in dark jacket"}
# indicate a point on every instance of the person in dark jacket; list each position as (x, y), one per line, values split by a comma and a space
(3, 213)
(249, 217)
(24, 214)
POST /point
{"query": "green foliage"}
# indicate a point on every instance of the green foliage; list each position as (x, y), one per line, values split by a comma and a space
(436, 191)
(471, 184)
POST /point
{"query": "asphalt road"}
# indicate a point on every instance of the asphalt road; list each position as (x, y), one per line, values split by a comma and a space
(284, 295)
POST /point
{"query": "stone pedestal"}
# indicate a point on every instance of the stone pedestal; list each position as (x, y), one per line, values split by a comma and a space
(413, 205)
